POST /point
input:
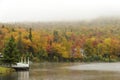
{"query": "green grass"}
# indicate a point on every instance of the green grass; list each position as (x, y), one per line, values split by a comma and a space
(4, 70)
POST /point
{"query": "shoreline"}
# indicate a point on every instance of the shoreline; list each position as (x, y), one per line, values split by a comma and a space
(5, 70)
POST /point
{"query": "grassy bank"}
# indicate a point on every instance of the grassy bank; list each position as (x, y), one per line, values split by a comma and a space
(4, 70)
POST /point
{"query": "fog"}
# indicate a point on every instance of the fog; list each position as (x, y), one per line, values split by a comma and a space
(56, 10)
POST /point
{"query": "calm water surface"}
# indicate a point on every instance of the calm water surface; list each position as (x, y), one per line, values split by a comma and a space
(64, 71)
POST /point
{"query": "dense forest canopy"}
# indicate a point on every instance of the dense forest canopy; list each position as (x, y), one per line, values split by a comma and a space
(95, 40)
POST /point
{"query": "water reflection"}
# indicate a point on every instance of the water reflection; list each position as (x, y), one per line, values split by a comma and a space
(55, 71)
(73, 75)
(12, 76)
(20, 75)
(23, 75)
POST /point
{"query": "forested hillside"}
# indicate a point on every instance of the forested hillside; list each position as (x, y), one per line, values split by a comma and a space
(96, 40)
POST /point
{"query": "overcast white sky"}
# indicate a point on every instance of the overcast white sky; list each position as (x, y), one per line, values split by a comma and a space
(56, 10)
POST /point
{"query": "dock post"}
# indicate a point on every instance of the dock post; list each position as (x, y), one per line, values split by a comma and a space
(25, 60)
(21, 59)
(28, 61)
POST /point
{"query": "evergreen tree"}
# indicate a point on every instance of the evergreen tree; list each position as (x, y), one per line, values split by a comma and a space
(20, 44)
(30, 34)
(56, 36)
(3, 26)
(10, 55)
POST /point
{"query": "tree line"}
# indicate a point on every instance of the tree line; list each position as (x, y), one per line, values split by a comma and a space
(64, 42)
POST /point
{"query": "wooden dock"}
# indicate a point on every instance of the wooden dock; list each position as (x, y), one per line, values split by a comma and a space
(22, 65)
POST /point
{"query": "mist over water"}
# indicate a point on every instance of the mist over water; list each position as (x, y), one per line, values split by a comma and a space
(58, 71)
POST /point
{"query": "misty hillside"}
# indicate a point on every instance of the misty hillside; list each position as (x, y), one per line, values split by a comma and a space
(100, 22)
(102, 25)
(61, 41)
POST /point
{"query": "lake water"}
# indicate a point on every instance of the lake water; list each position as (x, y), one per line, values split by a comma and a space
(67, 71)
